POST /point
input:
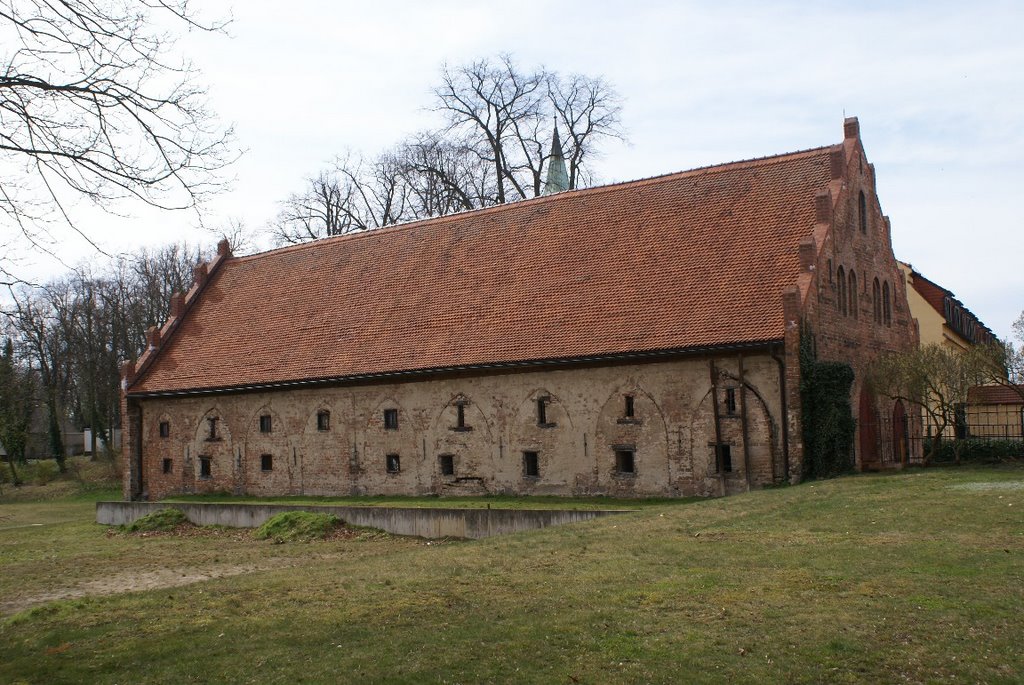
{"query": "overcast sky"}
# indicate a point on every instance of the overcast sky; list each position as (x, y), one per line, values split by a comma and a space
(938, 87)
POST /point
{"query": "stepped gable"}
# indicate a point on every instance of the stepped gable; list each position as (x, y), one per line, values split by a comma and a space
(688, 260)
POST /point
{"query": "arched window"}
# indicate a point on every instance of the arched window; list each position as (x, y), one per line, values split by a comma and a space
(853, 294)
(863, 213)
(841, 290)
(886, 304)
(876, 300)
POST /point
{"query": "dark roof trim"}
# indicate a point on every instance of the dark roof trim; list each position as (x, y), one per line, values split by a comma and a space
(649, 355)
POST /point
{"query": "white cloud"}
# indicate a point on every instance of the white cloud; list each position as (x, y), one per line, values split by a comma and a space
(938, 87)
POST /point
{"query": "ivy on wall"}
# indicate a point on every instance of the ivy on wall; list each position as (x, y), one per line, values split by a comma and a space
(828, 423)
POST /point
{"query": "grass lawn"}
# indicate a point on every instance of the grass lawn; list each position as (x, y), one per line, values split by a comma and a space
(915, 577)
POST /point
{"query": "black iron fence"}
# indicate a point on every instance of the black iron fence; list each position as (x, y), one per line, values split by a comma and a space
(976, 432)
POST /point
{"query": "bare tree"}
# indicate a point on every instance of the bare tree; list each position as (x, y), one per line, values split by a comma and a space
(508, 114)
(588, 110)
(933, 377)
(1003, 361)
(17, 401)
(445, 175)
(354, 195)
(493, 104)
(493, 148)
(92, 106)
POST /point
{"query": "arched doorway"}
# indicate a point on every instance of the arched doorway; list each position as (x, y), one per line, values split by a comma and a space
(867, 424)
(899, 433)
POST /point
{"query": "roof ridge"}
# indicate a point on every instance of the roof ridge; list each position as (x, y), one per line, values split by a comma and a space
(593, 190)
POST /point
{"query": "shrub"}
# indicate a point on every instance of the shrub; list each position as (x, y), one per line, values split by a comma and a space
(976, 449)
(42, 472)
(828, 424)
(297, 526)
(161, 520)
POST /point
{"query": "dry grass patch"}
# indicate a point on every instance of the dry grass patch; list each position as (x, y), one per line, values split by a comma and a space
(881, 578)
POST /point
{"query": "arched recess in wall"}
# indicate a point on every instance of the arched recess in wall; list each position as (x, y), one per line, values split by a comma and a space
(542, 425)
(210, 461)
(391, 458)
(868, 429)
(886, 304)
(271, 463)
(762, 437)
(854, 302)
(630, 450)
(326, 448)
(463, 457)
(876, 301)
(841, 303)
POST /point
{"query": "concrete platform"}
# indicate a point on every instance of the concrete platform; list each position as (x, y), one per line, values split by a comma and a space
(425, 522)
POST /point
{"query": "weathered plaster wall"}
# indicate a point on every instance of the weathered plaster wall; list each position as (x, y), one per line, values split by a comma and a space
(672, 432)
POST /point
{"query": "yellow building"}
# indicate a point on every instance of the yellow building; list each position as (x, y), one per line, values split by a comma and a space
(940, 316)
(996, 411)
(991, 411)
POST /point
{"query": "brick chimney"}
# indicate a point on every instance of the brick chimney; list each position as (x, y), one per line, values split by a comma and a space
(851, 128)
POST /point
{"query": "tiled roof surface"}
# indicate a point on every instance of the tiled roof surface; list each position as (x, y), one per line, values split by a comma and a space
(691, 259)
(933, 293)
(995, 394)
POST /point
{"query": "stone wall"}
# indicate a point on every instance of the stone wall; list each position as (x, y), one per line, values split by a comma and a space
(336, 440)
(425, 522)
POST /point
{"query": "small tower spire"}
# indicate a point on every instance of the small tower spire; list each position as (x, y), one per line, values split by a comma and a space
(558, 179)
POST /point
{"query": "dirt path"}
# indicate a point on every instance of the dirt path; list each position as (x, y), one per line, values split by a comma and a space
(143, 580)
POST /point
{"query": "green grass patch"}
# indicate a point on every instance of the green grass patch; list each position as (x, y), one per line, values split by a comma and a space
(297, 526)
(160, 520)
(912, 577)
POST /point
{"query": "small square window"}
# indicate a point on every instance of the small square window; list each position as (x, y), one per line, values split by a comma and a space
(266, 424)
(723, 462)
(394, 463)
(531, 464)
(165, 429)
(447, 464)
(629, 410)
(625, 461)
(205, 470)
(391, 419)
(168, 465)
(212, 426)
(323, 420)
(266, 462)
(730, 400)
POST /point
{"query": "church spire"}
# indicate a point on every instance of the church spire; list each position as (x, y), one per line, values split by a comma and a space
(558, 179)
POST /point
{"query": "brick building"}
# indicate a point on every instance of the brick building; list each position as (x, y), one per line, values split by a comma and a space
(633, 339)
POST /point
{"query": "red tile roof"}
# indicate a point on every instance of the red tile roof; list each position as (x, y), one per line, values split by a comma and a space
(935, 295)
(693, 259)
(995, 394)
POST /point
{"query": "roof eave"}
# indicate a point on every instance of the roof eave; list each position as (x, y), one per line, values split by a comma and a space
(426, 373)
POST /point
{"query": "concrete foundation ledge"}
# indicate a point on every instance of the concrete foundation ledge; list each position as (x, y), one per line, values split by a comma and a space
(420, 522)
